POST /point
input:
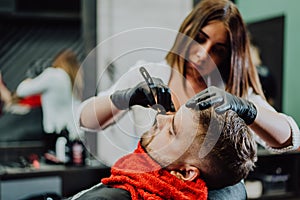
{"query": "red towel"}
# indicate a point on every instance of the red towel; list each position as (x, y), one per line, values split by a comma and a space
(144, 178)
(31, 101)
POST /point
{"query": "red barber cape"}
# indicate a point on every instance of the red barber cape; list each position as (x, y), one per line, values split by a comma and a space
(144, 178)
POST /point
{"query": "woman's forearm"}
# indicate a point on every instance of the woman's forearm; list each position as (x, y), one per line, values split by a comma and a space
(98, 113)
(5, 94)
(272, 128)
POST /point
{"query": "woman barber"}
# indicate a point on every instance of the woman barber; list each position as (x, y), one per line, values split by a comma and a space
(218, 43)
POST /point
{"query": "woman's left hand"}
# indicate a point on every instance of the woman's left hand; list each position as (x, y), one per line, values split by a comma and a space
(223, 101)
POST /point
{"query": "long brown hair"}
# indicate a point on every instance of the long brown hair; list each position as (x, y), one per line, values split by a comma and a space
(237, 71)
(67, 60)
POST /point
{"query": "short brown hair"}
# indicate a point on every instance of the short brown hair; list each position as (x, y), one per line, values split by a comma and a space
(226, 149)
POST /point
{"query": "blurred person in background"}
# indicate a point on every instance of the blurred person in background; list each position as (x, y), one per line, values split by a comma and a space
(60, 87)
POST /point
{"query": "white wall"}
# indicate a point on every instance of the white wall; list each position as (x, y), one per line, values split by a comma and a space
(132, 30)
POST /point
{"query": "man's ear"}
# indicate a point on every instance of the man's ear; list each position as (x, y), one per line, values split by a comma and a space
(187, 173)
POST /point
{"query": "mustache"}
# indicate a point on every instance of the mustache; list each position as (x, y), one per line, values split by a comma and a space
(146, 139)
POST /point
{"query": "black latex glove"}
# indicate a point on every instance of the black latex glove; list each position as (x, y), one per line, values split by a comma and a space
(223, 101)
(142, 95)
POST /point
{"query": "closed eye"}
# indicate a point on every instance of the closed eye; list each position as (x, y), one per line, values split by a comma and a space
(155, 121)
(172, 126)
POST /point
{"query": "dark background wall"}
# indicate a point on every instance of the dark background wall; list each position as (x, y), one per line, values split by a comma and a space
(32, 33)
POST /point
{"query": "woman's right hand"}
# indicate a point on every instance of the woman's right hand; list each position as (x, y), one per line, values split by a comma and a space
(223, 101)
(157, 97)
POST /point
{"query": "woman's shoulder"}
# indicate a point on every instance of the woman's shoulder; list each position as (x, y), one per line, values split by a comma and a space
(58, 72)
(55, 77)
(156, 69)
(133, 76)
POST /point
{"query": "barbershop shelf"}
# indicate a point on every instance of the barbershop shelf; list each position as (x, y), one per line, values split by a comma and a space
(67, 180)
(276, 176)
